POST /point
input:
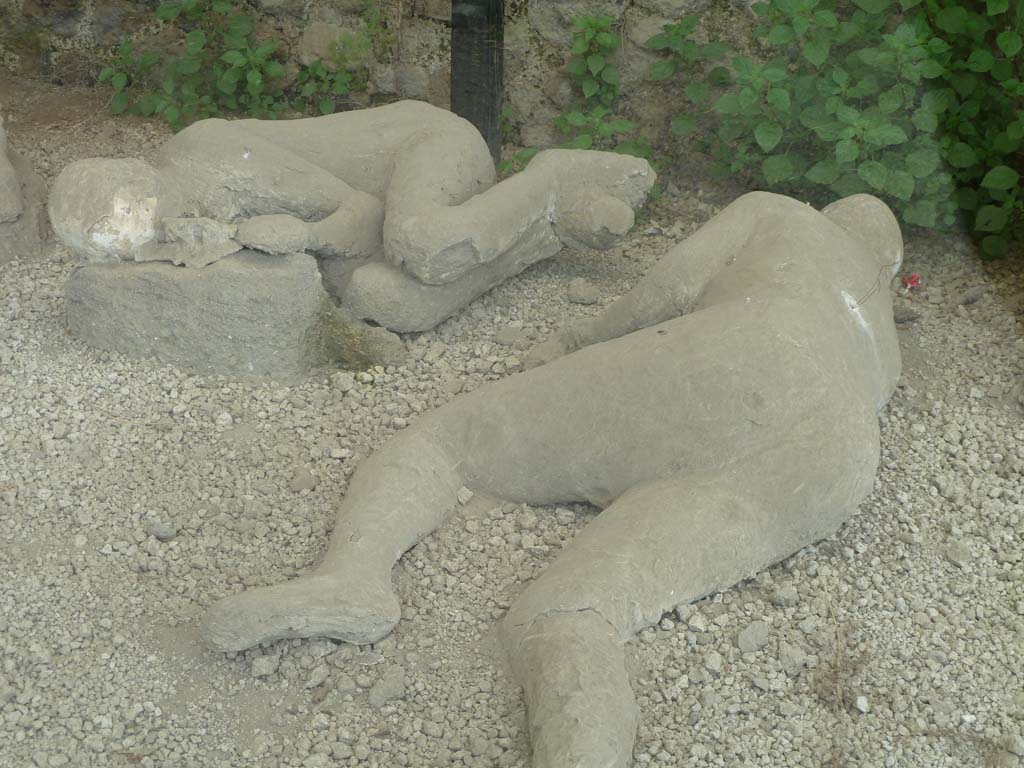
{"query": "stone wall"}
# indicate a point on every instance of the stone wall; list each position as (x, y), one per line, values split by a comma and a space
(68, 41)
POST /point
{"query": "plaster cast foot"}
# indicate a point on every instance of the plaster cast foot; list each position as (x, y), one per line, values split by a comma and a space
(360, 609)
(582, 713)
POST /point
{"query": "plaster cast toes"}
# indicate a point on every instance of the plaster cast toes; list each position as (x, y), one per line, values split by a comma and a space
(352, 610)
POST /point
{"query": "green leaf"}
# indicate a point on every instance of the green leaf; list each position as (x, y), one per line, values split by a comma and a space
(775, 71)
(119, 81)
(576, 67)
(991, 218)
(778, 168)
(826, 19)
(610, 75)
(106, 74)
(307, 90)
(923, 162)
(607, 40)
(995, 246)
(781, 34)
(980, 61)
(267, 48)
(873, 6)
(727, 104)
(825, 172)
(900, 184)
(874, 173)
(768, 135)
(595, 63)
(326, 106)
(816, 52)
(995, 7)
(195, 41)
(697, 92)
(952, 19)
(234, 58)
(1001, 177)
(274, 69)
(583, 141)
(962, 155)
(683, 125)
(119, 103)
(891, 100)
(620, 126)
(847, 114)
(149, 104)
(172, 114)
(580, 45)
(847, 151)
(663, 68)
(925, 121)
(930, 69)
(885, 135)
(938, 100)
(779, 99)
(168, 11)
(241, 25)
(1009, 42)
(223, 6)
(590, 87)
(576, 119)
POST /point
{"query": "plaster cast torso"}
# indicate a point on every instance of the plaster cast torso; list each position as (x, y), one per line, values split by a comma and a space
(772, 344)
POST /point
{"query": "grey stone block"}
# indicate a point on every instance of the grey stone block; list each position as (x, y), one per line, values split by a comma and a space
(249, 314)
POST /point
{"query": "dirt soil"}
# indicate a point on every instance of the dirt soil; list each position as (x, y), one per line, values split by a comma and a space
(133, 495)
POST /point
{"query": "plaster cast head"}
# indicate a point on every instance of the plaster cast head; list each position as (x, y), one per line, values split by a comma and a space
(872, 222)
(106, 210)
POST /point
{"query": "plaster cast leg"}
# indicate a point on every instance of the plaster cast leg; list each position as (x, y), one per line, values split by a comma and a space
(397, 496)
(441, 224)
(669, 541)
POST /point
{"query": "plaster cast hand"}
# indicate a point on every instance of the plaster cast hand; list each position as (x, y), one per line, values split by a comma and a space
(559, 344)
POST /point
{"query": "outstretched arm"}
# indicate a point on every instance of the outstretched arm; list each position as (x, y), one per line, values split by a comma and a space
(675, 283)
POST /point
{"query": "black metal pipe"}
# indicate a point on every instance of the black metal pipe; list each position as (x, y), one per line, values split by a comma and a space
(478, 37)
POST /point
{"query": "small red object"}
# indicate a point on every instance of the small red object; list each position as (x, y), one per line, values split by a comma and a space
(914, 281)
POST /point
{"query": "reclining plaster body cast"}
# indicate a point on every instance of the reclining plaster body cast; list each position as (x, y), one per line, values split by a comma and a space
(725, 419)
(408, 181)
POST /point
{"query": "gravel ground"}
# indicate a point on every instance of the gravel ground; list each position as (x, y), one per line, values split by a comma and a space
(133, 495)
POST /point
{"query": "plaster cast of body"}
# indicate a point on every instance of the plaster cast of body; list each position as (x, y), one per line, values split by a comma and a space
(723, 415)
(400, 202)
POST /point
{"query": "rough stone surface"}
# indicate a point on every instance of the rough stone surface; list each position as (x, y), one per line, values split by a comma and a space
(248, 314)
(753, 637)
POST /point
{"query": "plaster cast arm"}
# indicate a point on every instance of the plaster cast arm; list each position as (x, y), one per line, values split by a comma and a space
(674, 284)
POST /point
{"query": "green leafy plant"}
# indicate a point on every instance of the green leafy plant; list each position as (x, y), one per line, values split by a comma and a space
(222, 66)
(381, 38)
(593, 123)
(124, 71)
(917, 101)
(321, 87)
